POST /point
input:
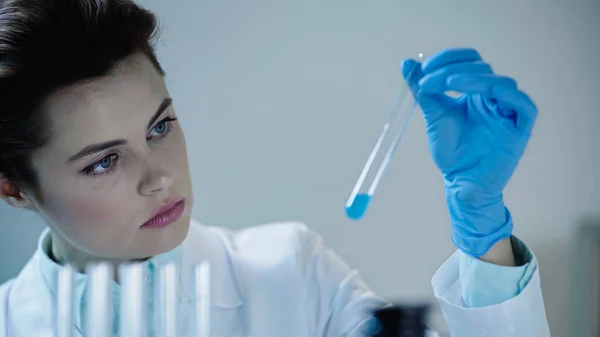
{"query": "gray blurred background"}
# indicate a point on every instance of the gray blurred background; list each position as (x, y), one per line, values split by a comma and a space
(283, 100)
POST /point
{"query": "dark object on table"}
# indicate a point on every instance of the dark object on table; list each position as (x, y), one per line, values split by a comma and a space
(400, 321)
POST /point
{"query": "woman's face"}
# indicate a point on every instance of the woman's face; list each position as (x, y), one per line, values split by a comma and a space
(116, 157)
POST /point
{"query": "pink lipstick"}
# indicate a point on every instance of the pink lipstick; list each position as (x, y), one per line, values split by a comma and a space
(165, 215)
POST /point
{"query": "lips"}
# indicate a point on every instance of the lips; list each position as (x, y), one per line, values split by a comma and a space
(170, 212)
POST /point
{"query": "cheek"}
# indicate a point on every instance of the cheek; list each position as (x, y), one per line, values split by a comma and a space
(177, 155)
(91, 209)
(98, 208)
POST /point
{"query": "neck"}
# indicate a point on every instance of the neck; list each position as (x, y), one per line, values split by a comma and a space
(64, 253)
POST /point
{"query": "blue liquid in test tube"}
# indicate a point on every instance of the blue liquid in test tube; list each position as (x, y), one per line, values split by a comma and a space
(382, 153)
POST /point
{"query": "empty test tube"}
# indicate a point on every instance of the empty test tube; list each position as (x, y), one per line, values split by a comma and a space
(99, 319)
(202, 285)
(132, 306)
(64, 304)
(381, 155)
(167, 308)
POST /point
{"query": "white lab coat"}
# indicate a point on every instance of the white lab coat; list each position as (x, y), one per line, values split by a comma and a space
(280, 280)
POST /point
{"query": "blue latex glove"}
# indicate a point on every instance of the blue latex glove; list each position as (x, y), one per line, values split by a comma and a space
(475, 139)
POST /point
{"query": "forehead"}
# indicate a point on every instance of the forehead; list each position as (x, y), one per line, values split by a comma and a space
(117, 106)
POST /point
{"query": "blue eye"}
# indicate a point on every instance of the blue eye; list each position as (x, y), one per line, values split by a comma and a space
(103, 166)
(105, 163)
(162, 128)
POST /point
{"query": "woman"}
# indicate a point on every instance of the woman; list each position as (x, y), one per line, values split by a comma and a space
(89, 140)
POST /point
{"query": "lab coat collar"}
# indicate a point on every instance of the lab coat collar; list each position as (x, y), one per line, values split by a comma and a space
(205, 243)
(50, 271)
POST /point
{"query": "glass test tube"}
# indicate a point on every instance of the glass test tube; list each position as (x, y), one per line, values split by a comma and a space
(132, 304)
(167, 305)
(202, 285)
(382, 153)
(64, 304)
(99, 318)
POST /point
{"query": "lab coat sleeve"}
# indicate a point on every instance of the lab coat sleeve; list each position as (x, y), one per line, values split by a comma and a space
(341, 301)
(485, 284)
(520, 315)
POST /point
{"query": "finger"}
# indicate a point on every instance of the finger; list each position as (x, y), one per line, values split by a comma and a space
(450, 56)
(436, 82)
(504, 91)
(511, 98)
(412, 73)
(477, 83)
(432, 105)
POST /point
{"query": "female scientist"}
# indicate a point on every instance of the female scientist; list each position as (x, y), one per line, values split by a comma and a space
(89, 140)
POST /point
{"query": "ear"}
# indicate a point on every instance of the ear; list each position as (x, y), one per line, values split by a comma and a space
(13, 195)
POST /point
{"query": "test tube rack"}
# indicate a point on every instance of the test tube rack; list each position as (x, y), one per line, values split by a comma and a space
(133, 292)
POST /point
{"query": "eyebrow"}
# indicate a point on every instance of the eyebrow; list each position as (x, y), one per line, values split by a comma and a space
(91, 149)
(163, 106)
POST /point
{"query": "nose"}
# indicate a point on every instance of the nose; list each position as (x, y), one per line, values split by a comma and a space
(155, 182)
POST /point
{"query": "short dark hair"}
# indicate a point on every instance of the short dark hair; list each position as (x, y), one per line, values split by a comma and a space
(46, 45)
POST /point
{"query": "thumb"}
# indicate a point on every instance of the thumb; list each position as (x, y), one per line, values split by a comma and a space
(412, 73)
(432, 104)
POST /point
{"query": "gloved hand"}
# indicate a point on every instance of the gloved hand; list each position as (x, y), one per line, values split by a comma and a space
(475, 139)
